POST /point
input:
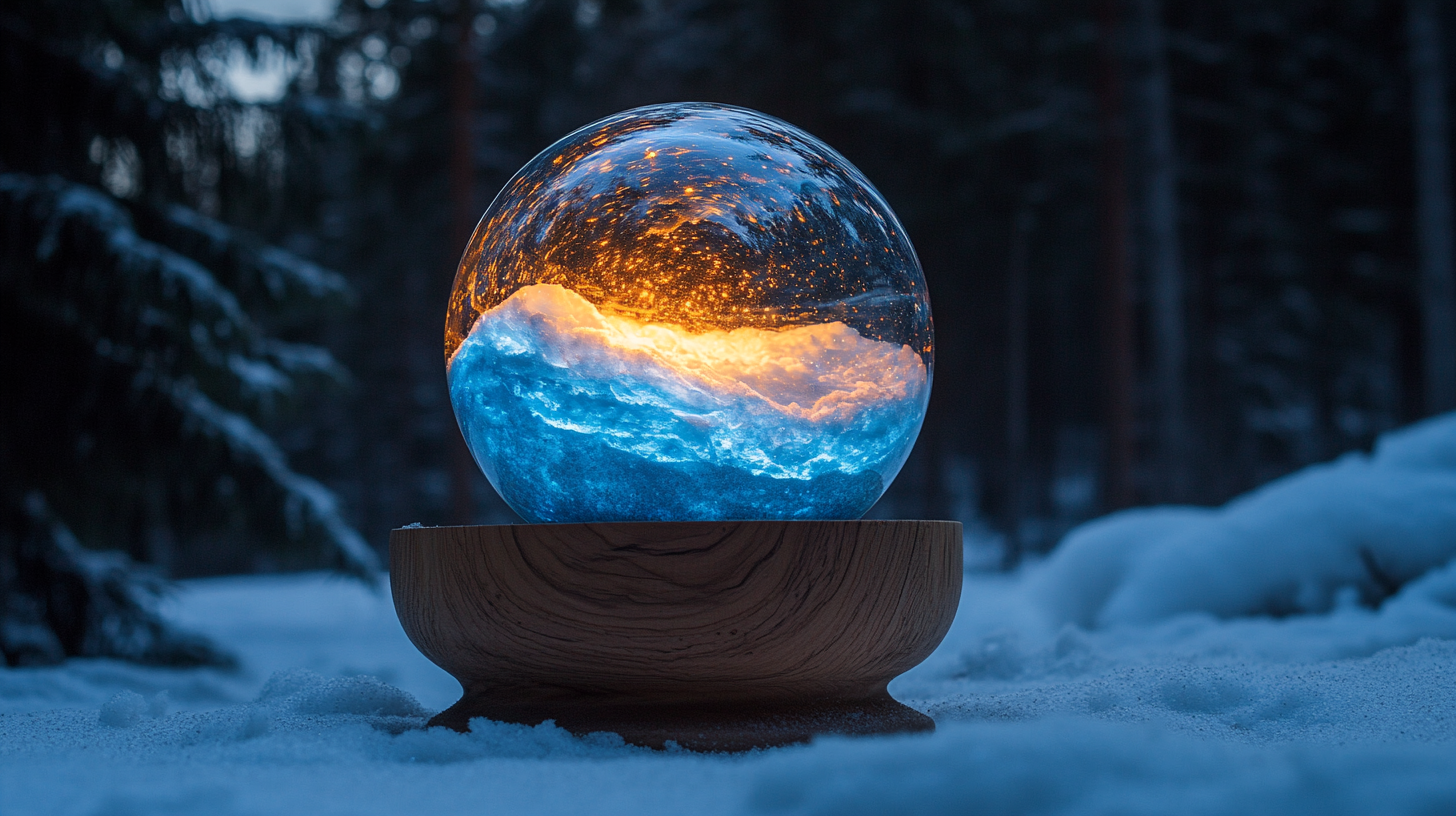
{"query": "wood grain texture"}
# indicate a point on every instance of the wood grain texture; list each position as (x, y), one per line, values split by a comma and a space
(713, 628)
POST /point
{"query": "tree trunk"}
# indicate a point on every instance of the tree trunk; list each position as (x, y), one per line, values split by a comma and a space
(1433, 205)
(1117, 329)
(1016, 383)
(1162, 254)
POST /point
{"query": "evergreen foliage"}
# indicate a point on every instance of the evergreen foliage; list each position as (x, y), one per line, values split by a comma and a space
(149, 346)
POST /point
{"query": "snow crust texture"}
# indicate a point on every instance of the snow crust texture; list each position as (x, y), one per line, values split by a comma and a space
(577, 415)
(1293, 681)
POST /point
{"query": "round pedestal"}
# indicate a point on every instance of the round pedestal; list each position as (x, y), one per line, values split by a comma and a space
(712, 635)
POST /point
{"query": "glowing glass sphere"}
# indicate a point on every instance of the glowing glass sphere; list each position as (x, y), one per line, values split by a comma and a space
(689, 312)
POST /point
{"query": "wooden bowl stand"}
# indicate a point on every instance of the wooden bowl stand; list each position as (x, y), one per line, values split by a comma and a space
(716, 636)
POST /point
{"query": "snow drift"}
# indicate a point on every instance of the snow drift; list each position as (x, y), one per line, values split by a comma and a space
(1363, 530)
(1290, 653)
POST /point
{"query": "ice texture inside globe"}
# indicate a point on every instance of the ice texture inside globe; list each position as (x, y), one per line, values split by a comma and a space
(689, 312)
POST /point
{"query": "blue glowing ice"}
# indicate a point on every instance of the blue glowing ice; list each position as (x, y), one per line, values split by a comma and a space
(580, 415)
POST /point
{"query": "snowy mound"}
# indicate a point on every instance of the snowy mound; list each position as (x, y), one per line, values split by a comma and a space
(578, 415)
(1354, 532)
(1288, 654)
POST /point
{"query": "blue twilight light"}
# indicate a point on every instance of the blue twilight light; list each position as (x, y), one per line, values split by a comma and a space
(689, 312)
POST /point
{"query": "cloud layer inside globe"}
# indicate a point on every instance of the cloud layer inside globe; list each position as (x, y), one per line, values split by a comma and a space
(580, 415)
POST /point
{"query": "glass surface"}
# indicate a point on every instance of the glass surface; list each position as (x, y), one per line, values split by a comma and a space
(689, 312)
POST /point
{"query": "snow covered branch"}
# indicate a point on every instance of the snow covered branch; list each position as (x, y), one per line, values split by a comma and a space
(158, 366)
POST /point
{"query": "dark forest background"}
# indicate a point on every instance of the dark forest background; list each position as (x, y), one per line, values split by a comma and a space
(1174, 249)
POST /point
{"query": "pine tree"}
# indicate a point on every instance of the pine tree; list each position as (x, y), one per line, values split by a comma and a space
(149, 344)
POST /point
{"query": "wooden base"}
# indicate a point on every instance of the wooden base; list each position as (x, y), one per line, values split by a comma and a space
(712, 635)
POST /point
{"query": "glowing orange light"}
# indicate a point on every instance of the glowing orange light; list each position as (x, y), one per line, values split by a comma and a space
(824, 372)
(692, 241)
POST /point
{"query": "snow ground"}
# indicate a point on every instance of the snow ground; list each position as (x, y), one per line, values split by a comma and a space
(1291, 653)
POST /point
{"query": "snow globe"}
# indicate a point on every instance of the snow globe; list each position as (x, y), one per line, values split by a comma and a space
(689, 313)
(692, 345)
